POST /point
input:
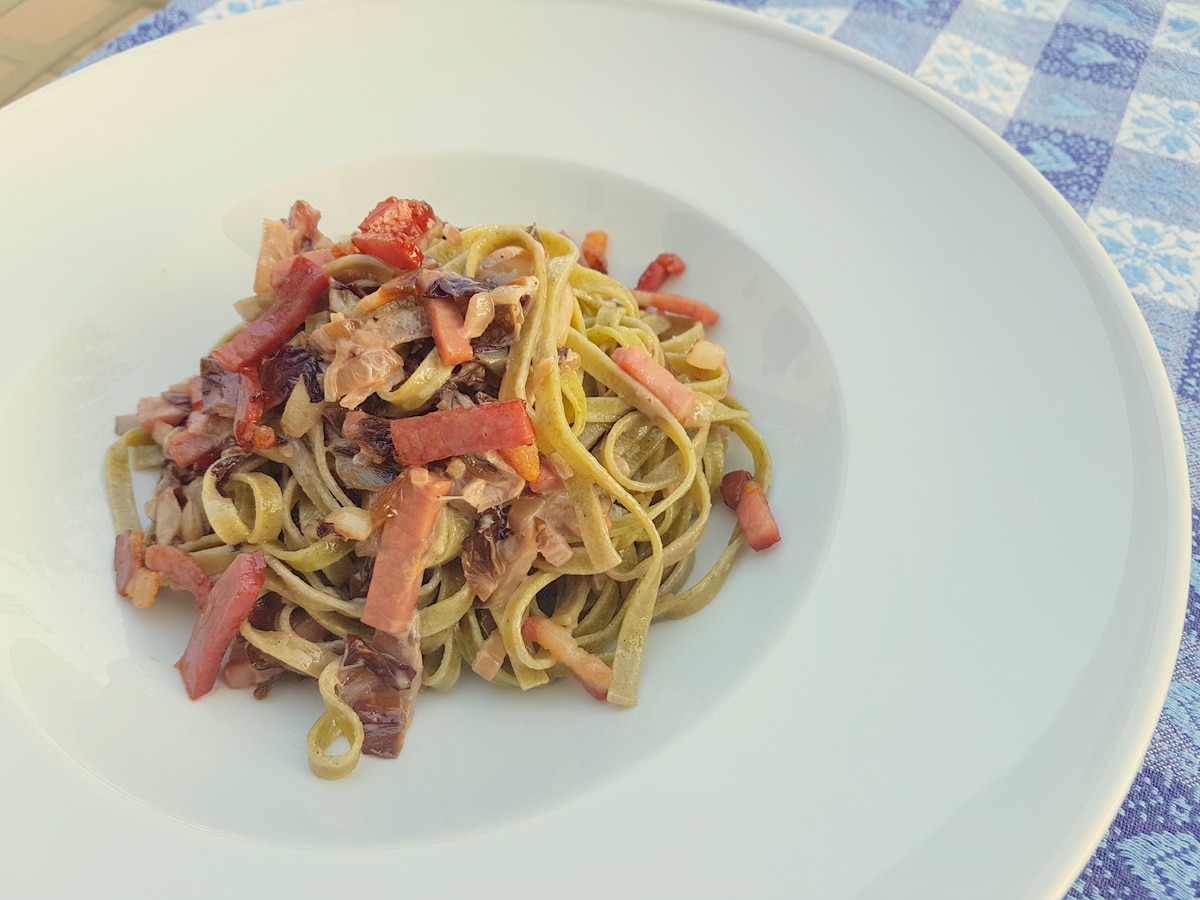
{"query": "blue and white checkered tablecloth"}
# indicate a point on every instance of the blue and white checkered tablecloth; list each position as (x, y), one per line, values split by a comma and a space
(1102, 97)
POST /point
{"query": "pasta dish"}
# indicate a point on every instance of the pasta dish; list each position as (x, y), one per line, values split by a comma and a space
(425, 449)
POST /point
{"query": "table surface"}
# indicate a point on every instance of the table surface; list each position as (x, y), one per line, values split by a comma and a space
(1103, 98)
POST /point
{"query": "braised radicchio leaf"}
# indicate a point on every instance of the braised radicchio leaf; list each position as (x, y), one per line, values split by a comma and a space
(279, 372)
(359, 289)
(373, 435)
(391, 672)
(218, 388)
(225, 466)
(455, 286)
(380, 687)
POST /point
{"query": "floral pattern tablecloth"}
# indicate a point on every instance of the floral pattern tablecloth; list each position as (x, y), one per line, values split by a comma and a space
(1103, 98)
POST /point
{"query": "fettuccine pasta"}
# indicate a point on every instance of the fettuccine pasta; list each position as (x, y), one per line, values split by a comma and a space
(429, 450)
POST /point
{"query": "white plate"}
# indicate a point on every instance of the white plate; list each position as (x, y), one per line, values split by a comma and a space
(943, 681)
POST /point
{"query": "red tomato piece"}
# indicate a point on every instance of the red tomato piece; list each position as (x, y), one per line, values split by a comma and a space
(393, 216)
(392, 231)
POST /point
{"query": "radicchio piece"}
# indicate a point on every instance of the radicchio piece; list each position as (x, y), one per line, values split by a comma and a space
(483, 555)
(248, 667)
(279, 372)
(359, 288)
(473, 378)
(373, 435)
(452, 285)
(218, 388)
(225, 466)
(503, 327)
(380, 685)
(497, 555)
(359, 475)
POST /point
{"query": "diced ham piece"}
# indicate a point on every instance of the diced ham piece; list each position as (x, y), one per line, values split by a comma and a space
(731, 486)
(547, 480)
(679, 399)
(456, 432)
(251, 401)
(181, 569)
(128, 557)
(281, 268)
(589, 670)
(304, 218)
(229, 604)
(282, 239)
(660, 269)
(297, 298)
(277, 242)
(195, 390)
(134, 580)
(594, 250)
(678, 305)
(143, 588)
(186, 448)
(490, 656)
(169, 409)
(404, 546)
(447, 324)
(745, 495)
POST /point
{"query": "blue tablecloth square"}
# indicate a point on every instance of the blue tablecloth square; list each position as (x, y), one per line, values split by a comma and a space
(1170, 73)
(1016, 36)
(1073, 163)
(1084, 107)
(900, 42)
(1135, 18)
(933, 13)
(1093, 54)
(1152, 186)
